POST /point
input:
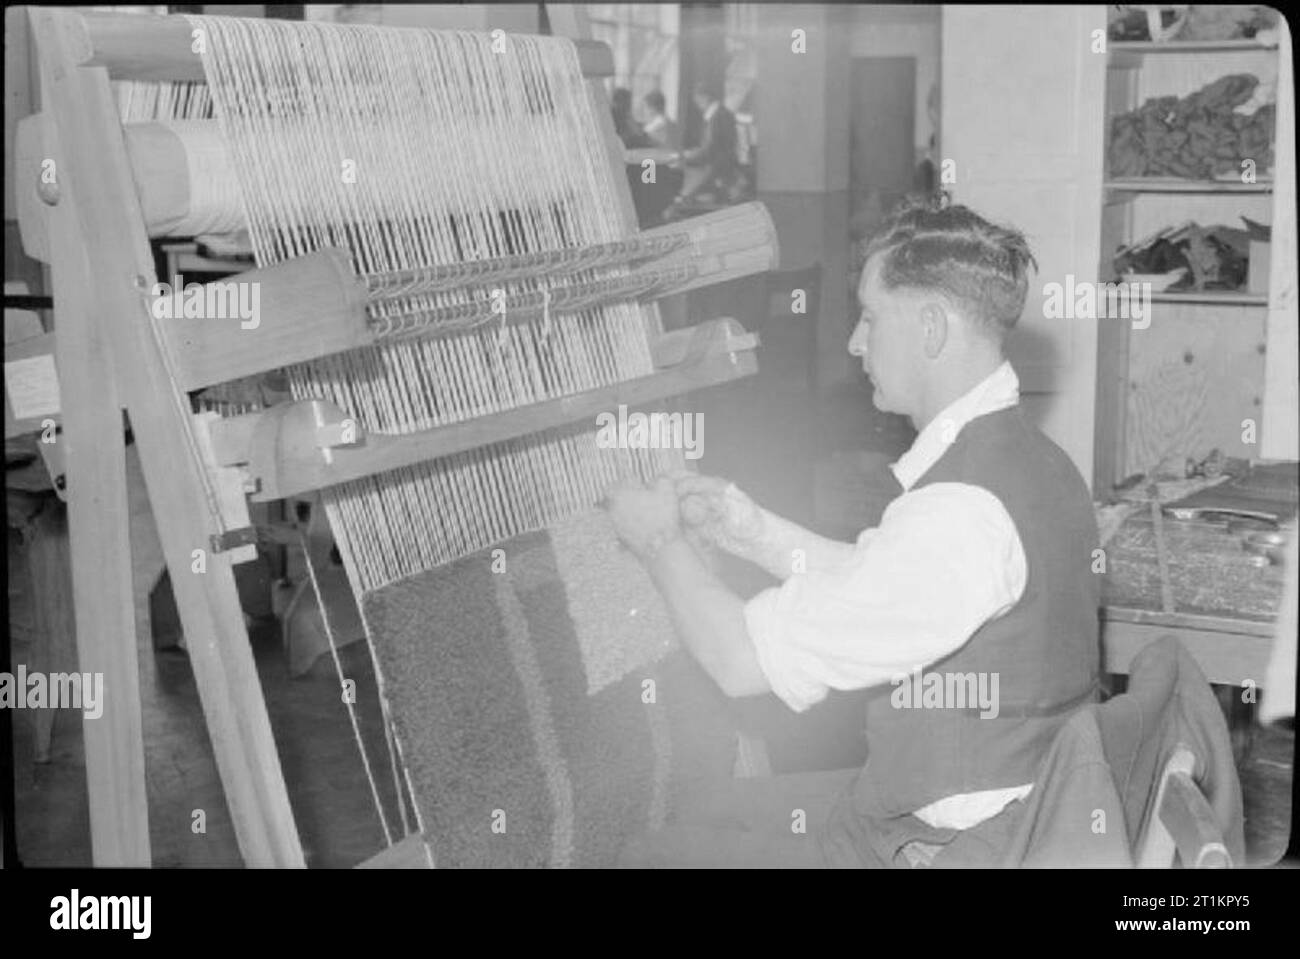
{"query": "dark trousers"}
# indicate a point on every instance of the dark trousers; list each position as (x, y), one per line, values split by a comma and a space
(806, 821)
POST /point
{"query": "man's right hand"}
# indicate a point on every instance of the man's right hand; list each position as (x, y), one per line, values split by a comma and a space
(717, 510)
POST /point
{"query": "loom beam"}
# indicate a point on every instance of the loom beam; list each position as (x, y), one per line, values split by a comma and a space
(314, 306)
(295, 448)
(153, 47)
(308, 307)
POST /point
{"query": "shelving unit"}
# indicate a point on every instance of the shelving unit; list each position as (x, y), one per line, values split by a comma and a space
(1184, 384)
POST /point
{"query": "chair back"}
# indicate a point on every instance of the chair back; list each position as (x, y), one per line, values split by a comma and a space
(1183, 827)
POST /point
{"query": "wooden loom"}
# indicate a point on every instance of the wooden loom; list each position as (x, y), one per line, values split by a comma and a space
(90, 223)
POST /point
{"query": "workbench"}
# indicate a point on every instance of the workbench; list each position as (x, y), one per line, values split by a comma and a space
(1224, 607)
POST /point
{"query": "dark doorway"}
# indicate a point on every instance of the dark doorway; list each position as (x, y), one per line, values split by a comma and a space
(882, 160)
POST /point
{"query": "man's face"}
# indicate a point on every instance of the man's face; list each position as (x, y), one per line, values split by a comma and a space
(701, 101)
(888, 341)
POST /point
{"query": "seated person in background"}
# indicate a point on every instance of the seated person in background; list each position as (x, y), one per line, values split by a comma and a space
(978, 576)
(651, 195)
(712, 164)
(628, 130)
(659, 127)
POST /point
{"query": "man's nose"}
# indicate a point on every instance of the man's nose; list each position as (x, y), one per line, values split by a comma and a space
(858, 340)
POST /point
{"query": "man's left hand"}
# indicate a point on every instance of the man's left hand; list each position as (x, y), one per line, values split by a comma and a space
(645, 517)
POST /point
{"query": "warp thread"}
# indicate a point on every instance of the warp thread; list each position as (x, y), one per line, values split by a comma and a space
(332, 128)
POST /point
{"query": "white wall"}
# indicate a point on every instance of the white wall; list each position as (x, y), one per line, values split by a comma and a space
(1023, 122)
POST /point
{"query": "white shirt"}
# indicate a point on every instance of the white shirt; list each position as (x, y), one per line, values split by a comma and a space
(944, 560)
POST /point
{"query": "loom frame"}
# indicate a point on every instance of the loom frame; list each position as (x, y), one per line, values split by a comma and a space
(108, 360)
(110, 357)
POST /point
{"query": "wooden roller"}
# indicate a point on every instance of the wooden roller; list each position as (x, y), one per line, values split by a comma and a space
(315, 306)
(153, 47)
(161, 164)
(294, 448)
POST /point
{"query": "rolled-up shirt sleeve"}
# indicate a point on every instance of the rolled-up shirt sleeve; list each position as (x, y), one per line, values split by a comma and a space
(945, 559)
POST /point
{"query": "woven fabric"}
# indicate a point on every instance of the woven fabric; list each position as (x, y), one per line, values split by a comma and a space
(618, 620)
(526, 745)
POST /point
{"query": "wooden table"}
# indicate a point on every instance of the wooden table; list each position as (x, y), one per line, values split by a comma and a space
(1225, 608)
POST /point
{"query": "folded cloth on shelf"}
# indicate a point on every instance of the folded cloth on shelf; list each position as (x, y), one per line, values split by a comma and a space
(1200, 136)
(1211, 258)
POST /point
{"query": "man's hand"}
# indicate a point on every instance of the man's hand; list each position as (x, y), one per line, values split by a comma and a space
(715, 511)
(710, 619)
(645, 517)
(719, 512)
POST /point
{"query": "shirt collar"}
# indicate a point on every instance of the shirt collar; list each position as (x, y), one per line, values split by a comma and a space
(713, 108)
(998, 391)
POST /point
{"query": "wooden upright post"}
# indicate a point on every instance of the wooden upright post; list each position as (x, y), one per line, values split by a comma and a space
(108, 356)
(99, 533)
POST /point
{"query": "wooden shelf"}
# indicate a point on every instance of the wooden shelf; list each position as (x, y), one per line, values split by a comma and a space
(1179, 185)
(1130, 54)
(1135, 72)
(1212, 298)
(1143, 47)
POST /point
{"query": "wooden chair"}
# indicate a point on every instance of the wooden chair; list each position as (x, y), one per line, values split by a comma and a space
(1182, 828)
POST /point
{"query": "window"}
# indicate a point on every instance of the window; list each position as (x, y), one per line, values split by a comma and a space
(643, 37)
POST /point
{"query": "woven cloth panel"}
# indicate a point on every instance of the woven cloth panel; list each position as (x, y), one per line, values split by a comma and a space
(519, 698)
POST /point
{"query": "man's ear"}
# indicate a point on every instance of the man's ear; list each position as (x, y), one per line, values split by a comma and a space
(934, 329)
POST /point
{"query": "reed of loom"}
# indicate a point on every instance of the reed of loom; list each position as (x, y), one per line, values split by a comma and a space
(90, 215)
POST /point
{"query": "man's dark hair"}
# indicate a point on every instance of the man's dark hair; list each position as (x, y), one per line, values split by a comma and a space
(621, 99)
(655, 101)
(981, 267)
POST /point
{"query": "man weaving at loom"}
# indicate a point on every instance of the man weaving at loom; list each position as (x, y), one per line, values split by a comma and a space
(979, 568)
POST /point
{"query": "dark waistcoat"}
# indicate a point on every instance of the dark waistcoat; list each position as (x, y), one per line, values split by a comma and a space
(1044, 650)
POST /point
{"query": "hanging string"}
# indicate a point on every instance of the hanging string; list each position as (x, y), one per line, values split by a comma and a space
(350, 701)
